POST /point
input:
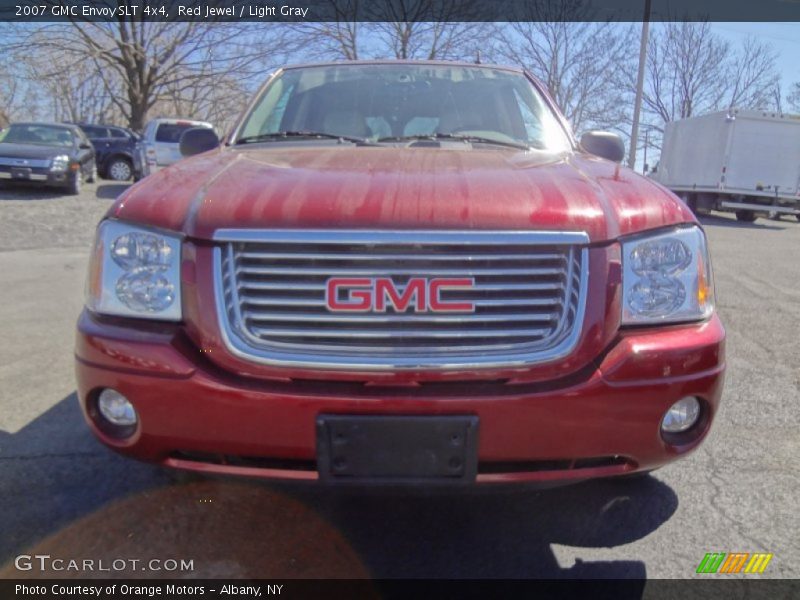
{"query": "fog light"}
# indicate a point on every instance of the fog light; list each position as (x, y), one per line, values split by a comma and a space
(681, 415)
(116, 408)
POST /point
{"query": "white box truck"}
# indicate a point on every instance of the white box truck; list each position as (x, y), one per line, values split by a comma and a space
(744, 161)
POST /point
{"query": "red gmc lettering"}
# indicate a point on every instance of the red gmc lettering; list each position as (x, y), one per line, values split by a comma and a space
(435, 300)
(385, 287)
(362, 294)
(357, 299)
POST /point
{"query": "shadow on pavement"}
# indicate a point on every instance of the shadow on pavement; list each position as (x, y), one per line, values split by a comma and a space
(111, 191)
(500, 533)
(24, 192)
(69, 497)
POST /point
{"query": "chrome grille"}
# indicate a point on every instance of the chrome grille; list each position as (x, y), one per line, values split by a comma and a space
(528, 294)
(34, 163)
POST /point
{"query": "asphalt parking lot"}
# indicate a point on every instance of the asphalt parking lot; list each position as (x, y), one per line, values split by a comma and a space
(67, 496)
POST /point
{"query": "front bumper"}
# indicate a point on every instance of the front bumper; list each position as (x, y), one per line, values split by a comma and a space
(602, 420)
(39, 176)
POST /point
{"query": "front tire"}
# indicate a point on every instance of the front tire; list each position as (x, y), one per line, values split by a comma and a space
(76, 184)
(119, 170)
(746, 216)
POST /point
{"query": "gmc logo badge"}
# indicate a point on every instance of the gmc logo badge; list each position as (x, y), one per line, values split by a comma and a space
(376, 294)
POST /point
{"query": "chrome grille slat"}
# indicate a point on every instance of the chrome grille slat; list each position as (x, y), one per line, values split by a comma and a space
(402, 333)
(384, 318)
(320, 287)
(320, 302)
(529, 297)
(334, 256)
(489, 271)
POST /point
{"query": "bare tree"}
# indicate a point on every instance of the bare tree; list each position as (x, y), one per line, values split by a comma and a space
(403, 29)
(139, 63)
(585, 66)
(777, 97)
(11, 80)
(429, 40)
(333, 40)
(751, 75)
(425, 29)
(218, 100)
(793, 99)
(76, 92)
(692, 71)
(686, 68)
(9, 93)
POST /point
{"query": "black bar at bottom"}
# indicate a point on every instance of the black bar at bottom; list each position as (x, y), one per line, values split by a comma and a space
(714, 586)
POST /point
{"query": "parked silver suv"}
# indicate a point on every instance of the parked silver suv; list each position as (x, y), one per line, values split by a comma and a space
(159, 146)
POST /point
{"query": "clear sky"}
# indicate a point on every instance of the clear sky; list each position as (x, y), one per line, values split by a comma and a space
(784, 37)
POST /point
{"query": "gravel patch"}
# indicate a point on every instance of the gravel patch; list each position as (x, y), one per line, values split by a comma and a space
(48, 218)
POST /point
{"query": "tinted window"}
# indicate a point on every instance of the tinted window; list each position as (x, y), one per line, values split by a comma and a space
(95, 132)
(171, 132)
(118, 133)
(375, 101)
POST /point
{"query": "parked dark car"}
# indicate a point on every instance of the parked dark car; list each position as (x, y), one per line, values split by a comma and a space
(114, 147)
(51, 154)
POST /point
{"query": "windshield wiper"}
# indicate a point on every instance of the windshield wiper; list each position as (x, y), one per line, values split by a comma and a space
(454, 136)
(282, 135)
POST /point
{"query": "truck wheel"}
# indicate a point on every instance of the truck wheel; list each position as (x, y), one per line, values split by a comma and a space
(748, 216)
(119, 170)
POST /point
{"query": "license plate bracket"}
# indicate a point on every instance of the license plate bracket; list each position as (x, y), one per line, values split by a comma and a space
(400, 449)
(23, 173)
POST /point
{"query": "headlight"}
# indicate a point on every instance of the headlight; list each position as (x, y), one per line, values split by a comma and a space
(60, 163)
(135, 272)
(666, 278)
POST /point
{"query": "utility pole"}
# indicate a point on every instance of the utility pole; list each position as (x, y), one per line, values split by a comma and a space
(637, 107)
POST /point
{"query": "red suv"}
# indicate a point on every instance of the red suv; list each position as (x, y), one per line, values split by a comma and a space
(401, 272)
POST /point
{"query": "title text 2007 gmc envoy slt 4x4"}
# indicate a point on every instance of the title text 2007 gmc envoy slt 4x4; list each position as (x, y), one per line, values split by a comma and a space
(395, 272)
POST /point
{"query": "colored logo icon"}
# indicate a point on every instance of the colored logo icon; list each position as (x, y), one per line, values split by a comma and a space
(734, 562)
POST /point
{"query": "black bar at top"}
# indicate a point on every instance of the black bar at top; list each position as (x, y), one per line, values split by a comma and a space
(267, 11)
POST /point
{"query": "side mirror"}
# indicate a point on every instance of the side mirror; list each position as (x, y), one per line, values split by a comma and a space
(84, 146)
(603, 144)
(198, 140)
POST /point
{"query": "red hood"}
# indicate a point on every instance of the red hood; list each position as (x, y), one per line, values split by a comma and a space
(398, 188)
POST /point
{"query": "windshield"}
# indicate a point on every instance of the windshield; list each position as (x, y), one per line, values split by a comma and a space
(45, 135)
(396, 102)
